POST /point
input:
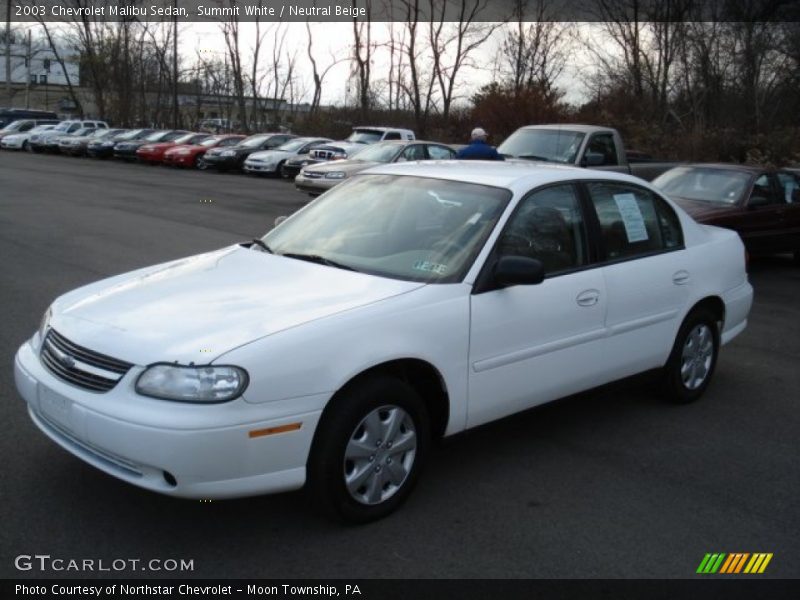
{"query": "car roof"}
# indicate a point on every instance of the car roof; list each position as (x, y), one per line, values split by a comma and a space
(405, 143)
(505, 174)
(379, 128)
(579, 127)
(728, 167)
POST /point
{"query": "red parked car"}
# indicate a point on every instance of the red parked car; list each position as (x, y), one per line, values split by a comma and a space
(154, 153)
(191, 154)
(762, 204)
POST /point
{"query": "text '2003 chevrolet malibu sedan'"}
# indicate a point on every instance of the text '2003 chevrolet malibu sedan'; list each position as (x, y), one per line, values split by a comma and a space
(411, 302)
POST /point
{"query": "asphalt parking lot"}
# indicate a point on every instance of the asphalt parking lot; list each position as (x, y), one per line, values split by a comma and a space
(610, 483)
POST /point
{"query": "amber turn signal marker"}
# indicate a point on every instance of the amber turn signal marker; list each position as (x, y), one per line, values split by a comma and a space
(271, 430)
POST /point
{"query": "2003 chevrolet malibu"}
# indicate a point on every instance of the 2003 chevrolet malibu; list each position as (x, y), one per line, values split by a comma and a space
(412, 302)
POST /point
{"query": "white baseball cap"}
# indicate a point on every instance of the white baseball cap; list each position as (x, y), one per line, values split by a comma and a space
(479, 132)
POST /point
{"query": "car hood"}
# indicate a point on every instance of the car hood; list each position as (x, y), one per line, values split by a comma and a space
(704, 212)
(267, 154)
(349, 167)
(198, 308)
(160, 145)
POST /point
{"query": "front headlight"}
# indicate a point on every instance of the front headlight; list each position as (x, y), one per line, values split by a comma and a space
(335, 175)
(228, 153)
(183, 151)
(107, 144)
(45, 323)
(192, 384)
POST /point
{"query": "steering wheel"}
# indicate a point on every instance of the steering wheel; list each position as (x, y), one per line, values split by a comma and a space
(515, 240)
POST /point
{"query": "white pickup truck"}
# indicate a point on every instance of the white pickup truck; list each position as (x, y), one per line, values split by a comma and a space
(579, 145)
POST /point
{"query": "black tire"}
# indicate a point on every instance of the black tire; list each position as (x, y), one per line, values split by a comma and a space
(689, 359)
(343, 421)
(25, 146)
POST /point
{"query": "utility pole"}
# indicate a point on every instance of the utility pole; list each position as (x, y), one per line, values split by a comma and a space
(175, 115)
(8, 52)
(28, 64)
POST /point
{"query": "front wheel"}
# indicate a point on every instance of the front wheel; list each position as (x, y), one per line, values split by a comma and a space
(693, 359)
(369, 448)
(200, 163)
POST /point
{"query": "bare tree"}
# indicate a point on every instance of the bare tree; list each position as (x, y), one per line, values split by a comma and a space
(533, 51)
(362, 57)
(453, 44)
(318, 74)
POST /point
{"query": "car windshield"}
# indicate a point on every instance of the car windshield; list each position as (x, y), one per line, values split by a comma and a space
(63, 126)
(397, 226)
(41, 128)
(82, 131)
(705, 184)
(293, 145)
(212, 141)
(13, 126)
(101, 133)
(554, 145)
(129, 135)
(253, 141)
(192, 138)
(365, 136)
(382, 153)
(156, 136)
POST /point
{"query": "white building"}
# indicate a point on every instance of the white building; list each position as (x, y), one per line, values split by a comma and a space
(37, 64)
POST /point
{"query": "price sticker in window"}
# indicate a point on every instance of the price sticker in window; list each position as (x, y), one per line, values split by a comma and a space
(631, 217)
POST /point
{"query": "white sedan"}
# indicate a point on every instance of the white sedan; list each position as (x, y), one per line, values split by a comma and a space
(19, 141)
(412, 302)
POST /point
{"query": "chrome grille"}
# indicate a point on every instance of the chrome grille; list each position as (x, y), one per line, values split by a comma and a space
(313, 174)
(323, 154)
(80, 366)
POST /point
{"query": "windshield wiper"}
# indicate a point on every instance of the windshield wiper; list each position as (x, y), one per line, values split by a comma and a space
(320, 260)
(258, 242)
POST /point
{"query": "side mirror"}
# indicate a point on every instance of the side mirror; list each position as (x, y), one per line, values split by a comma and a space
(517, 270)
(757, 202)
(593, 159)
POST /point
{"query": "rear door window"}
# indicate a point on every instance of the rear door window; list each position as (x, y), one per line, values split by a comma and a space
(633, 221)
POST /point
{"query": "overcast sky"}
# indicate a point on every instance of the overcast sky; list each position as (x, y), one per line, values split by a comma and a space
(336, 38)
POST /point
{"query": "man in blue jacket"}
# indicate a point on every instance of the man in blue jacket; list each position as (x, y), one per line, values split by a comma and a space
(478, 149)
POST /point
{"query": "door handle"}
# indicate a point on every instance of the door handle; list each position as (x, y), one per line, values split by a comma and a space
(588, 298)
(680, 278)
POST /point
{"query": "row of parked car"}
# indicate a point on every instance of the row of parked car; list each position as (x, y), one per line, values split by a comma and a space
(275, 154)
(762, 204)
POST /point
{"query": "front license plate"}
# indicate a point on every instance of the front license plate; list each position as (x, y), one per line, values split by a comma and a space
(55, 407)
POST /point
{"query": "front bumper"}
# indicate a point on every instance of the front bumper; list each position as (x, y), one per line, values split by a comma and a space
(314, 186)
(222, 162)
(126, 153)
(179, 449)
(100, 151)
(178, 160)
(11, 144)
(251, 167)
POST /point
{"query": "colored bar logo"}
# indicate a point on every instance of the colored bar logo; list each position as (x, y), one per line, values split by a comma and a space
(735, 563)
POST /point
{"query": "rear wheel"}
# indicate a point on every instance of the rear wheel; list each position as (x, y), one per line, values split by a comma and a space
(369, 448)
(693, 358)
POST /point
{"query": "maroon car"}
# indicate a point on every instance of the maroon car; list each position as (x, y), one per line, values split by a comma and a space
(763, 205)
